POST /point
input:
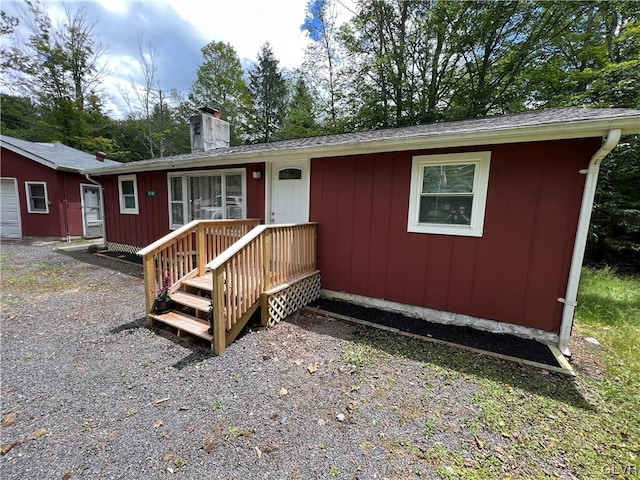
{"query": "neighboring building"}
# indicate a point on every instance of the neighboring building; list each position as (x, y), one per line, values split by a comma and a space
(44, 194)
(479, 222)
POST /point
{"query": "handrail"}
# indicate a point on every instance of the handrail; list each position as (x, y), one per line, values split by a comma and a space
(236, 247)
(161, 242)
(173, 254)
(266, 256)
(225, 256)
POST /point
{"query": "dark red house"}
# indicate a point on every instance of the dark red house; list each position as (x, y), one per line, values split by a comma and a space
(479, 222)
(44, 194)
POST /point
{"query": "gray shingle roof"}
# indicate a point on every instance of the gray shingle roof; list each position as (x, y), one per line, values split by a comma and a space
(555, 123)
(56, 155)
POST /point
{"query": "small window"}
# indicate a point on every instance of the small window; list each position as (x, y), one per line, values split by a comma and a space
(37, 200)
(448, 194)
(128, 188)
(290, 174)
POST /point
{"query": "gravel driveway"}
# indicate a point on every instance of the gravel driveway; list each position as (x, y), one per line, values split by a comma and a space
(89, 391)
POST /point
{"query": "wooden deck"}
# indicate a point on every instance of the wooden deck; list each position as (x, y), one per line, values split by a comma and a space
(221, 272)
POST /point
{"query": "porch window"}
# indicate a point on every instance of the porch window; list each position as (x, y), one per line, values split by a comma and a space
(448, 193)
(37, 200)
(210, 195)
(128, 190)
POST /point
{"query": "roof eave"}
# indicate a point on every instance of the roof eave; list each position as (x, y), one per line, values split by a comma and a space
(30, 156)
(519, 134)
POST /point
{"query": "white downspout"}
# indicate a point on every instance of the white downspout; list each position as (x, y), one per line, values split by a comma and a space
(571, 297)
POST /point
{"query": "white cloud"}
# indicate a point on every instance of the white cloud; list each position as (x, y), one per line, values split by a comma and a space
(248, 24)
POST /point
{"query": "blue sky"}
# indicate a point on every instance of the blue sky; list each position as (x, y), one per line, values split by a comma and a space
(178, 29)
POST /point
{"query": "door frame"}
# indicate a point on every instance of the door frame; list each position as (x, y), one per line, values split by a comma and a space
(270, 168)
(100, 201)
(17, 192)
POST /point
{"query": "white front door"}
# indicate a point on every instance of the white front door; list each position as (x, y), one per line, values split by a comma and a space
(290, 192)
(10, 220)
(92, 211)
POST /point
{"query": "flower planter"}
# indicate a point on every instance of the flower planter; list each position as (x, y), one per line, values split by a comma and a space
(162, 306)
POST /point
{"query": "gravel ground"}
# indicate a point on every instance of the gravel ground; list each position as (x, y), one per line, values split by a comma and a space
(89, 391)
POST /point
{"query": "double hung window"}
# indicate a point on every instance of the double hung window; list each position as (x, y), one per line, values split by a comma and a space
(448, 193)
(128, 190)
(37, 200)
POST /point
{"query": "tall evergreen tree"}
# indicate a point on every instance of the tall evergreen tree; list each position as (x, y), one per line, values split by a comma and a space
(270, 95)
(301, 119)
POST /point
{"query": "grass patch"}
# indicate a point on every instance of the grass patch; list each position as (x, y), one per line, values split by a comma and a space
(590, 426)
(529, 423)
(362, 354)
(609, 310)
(37, 275)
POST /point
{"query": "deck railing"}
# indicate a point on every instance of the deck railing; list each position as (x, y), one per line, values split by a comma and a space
(267, 256)
(184, 253)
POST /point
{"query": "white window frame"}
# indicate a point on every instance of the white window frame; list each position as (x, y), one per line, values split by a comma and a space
(27, 187)
(482, 162)
(184, 175)
(123, 208)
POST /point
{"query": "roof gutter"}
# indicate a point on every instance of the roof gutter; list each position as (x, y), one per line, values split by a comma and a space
(588, 195)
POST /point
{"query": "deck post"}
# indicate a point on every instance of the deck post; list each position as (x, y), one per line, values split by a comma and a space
(149, 269)
(314, 241)
(201, 249)
(266, 275)
(219, 343)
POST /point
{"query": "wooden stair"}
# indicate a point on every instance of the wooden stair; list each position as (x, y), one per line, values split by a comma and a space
(185, 323)
(203, 283)
(190, 305)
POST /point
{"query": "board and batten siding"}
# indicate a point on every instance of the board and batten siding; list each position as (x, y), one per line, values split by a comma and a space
(63, 193)
(152, 220)
(514, 273)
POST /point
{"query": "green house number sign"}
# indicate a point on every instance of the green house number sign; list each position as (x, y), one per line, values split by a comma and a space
(151, 193)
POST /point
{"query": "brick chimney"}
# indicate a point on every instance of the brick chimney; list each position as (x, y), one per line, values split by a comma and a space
(100, 156)
(208, 132)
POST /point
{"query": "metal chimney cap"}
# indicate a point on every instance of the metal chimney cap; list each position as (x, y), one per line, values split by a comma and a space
(208, 109)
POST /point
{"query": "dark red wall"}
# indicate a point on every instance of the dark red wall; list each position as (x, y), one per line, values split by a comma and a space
(61, 186)
(514, 273)
(152, 221)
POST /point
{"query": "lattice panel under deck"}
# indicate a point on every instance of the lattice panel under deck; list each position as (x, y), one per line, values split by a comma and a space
(293, 298)
(121, 247)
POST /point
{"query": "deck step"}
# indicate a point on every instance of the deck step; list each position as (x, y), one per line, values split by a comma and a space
(191, 300)
(185, 323)
(205, 282)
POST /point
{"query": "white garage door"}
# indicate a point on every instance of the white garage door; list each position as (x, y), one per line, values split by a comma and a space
(10, 225)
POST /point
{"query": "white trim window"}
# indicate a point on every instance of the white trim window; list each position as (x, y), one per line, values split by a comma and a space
(37, 198)
(206, 195)
(448, 193)
(128, 193)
